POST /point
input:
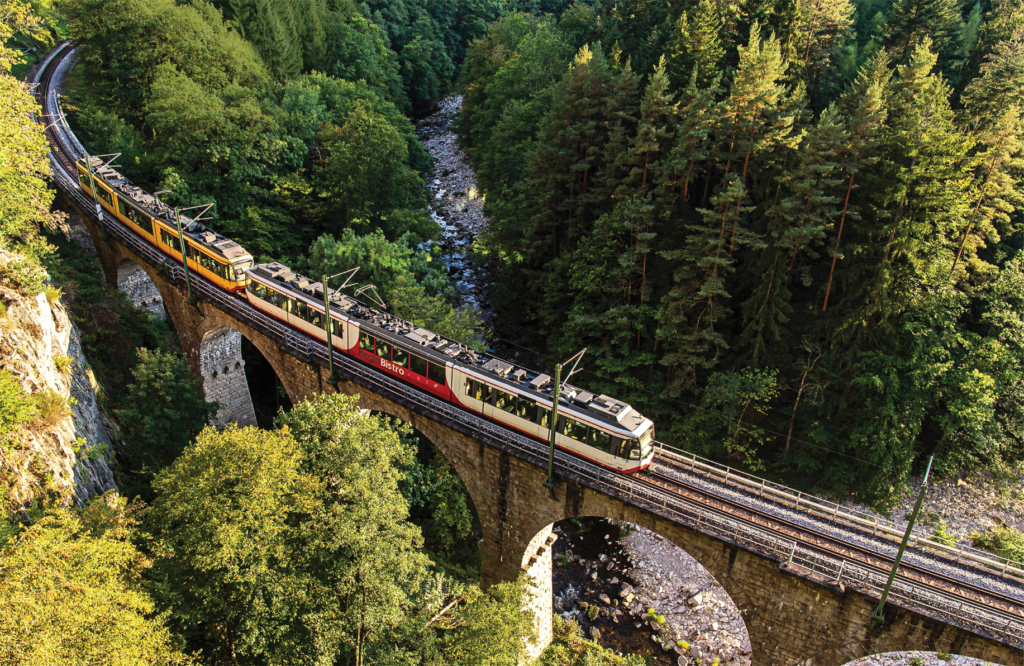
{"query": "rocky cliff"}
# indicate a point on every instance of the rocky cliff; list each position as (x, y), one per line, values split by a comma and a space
(67, 448)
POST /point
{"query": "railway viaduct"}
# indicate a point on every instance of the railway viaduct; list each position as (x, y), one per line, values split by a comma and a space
(792, 615)
(798, 609)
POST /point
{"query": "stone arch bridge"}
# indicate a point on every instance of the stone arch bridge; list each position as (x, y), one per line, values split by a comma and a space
(805, 599)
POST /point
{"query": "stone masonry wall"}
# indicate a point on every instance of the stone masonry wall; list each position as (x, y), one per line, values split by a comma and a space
(792, 618)
(537, 565)
(132, 280)
(223, 372)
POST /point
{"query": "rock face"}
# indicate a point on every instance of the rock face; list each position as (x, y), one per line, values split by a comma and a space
(41, 347)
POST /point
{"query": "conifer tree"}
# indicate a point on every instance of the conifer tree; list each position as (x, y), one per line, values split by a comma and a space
(696, 45)
(825, 25)
(568, 144)
(994, 102)
(694, 124)
(910, 22)
(865, 106)
(756, 117)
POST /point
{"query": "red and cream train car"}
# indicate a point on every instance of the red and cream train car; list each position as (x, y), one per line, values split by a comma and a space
(596, 427)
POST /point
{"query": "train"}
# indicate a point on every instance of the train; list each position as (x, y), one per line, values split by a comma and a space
(597, 428)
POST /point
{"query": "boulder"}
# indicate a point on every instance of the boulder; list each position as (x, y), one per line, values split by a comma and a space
(595, 633)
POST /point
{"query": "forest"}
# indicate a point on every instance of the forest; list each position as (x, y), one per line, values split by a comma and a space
(787, 230)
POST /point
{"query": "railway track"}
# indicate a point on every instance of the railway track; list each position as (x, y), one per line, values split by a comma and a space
(970, 595)
(815, 541)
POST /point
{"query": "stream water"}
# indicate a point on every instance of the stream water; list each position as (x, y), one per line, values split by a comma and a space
(456, 205)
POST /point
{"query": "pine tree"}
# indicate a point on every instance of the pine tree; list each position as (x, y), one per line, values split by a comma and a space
(568, 144)
(757, 116)
(994, 102)
(910, 22)
(694, 124)
(825, 26)
(696, 45)
(865, 106)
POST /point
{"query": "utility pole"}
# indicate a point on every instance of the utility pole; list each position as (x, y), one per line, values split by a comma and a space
(183, 246)
(878, 615)
(550, 483)
(331, 379)
(192, 300)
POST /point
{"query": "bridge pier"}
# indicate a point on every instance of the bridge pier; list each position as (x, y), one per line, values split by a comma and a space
(133, 281)
(222, 369)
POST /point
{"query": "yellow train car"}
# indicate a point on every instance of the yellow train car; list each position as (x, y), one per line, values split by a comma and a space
(215, 257)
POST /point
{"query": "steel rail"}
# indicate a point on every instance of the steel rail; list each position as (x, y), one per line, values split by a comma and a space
(826, 567)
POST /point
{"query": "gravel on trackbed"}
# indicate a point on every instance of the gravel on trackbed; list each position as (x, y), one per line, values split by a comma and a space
(917, 659)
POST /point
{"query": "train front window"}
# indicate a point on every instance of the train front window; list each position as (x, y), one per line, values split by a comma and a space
(419, 365)
(576, 430)
(436, 372)
(600, 440)
(383, 348)
(400, 357)
(366, 342)
(506, 402)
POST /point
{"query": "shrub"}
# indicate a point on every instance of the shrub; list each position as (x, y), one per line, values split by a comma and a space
(942, 535)
(16, 407)
(916, 661)
(3, 309)
(652, 616)
(63, 363)
(1005, 541)
(944, 656)
(52, 408)
(53, 294)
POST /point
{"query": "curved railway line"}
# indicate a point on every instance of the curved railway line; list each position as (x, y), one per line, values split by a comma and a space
(814, 538)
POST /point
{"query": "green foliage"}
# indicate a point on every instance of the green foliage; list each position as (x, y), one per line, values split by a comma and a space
(51, 407)
(791, 248)
(942, 535)
(63, 363)
(1003, 540)
(70, 593)
(492, 628)
(162, 413)
(112, 328)
(569, 648)
(16, 407)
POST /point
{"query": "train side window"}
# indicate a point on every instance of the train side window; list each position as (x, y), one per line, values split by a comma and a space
(600, 440)
(544, 418)
(383, 348)
(526, 409)
(301, 310)
(273, 297)
(338, 328)
(436, 372)
(506, 402)
(419, 365)
(400, 357)
(83, 177)
(315, 317)
(469, 387)
(170, 240)
(260, 291)
(483, 392)
(576, 430)
(103, 194)
(366, 342)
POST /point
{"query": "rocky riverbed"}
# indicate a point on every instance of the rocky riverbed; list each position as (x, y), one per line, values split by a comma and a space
(457, 205)
(917, 659)
(635, 592)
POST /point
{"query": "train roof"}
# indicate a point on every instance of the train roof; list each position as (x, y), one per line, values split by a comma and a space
(526, 381)
(149, 204)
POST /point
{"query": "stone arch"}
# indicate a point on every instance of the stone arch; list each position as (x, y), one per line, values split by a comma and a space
(698, 608)
(133, 280)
